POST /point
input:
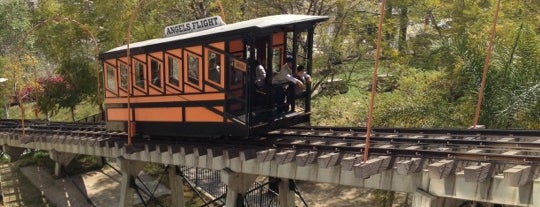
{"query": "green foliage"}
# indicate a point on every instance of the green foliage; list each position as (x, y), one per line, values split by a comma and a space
(79, 76)
(436, 48)
(513, 89)
(14, 21)
(417, 103)
(49, 94)
(40, 158)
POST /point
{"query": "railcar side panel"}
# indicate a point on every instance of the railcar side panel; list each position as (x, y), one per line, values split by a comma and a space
(218, 45)
(167, 114)
(117, 114)
(236, 47)
(202, 114)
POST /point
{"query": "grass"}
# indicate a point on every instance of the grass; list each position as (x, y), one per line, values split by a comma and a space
(83, 110)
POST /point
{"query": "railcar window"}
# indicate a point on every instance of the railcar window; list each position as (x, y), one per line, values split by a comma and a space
(174, 71)
(193, 69)
(139, 74)
(237, 78)
(111, 78)
(214, 67)
(123, 76)
(248, 51)
(155, 73)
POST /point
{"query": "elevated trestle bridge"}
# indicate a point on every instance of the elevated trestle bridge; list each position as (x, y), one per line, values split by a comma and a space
(440, 167)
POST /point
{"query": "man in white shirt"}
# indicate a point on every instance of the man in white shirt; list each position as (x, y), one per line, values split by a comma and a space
(280, 86)
(284, 75)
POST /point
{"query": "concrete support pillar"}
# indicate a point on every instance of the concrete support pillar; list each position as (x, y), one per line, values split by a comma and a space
(237, 186)
(422, 198)
(14, 153)
(177, 186)
(129, 169)
(61, 159)
(101, 161)
(286, 193)
(536, 191)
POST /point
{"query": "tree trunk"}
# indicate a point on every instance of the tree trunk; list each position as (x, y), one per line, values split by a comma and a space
(389, 198)
(403, 23)
(72, 110)
(388, 16)
(6, 110)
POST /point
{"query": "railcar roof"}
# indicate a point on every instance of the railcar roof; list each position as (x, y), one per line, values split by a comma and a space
(263, 22)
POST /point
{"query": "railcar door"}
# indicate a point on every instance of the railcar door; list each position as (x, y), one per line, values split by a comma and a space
(236, 107)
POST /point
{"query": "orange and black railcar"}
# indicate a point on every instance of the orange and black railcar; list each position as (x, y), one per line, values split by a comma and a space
(199, 79)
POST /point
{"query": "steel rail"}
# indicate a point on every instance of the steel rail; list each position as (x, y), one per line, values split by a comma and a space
(386, 142)
(441, 131)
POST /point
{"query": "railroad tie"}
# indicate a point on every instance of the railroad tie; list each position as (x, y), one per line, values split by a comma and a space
(27, 139)
(265, 155)
(248, 154)
(328, 160)
(215, 152)
(407, 167)
(349, 161)
(285, 156)
(478, 173)
(518, 175)
(371, 167)
(231, 153)
(442, 169)
(306, 158)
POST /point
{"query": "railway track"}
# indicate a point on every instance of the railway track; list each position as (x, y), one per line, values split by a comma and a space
(478, 145)
(499, 146)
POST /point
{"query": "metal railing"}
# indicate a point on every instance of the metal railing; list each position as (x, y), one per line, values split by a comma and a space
(208, 183)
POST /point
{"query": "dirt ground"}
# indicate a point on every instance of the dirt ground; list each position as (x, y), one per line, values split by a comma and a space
(103, 189)
(323, 195)
(329, 195)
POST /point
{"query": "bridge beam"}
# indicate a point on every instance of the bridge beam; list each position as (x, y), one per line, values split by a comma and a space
(422, 198)
(61, 160)
(14, 153)
(129, 169)
(176, 184)
(237, 186)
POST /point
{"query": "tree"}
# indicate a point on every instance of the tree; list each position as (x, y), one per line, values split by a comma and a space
(79, 82)
(14, 21)
(48, 93)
